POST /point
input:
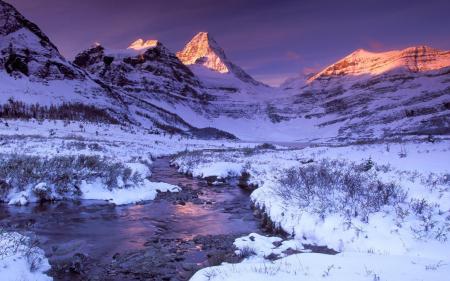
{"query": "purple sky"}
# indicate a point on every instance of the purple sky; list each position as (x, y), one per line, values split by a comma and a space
(272, 40)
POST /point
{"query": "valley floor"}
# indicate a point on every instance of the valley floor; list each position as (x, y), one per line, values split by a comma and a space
(56, 160)
(384, 208)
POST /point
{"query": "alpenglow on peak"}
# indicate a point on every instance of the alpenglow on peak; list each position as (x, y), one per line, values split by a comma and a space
(363, 62)
(203, 49)
(140, 44)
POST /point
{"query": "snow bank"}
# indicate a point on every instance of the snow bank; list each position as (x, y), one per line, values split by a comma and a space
(19, 260)
(411, 234)
(35, 179)
(219, 169)
(259, 246)
(418, 227)
(120, 196)
(341, 267)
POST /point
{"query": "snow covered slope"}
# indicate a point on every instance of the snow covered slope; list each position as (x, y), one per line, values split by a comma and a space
(32, 70)
(375, 95)
(36, 81)
(362, 62)
(145, 69)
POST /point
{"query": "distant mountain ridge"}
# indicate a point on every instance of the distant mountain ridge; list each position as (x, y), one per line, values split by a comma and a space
(375, 95)
(362, 62)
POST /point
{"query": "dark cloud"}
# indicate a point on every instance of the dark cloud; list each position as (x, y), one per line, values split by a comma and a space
(262, 36)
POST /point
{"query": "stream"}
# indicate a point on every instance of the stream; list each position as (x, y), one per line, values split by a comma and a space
(169, 238)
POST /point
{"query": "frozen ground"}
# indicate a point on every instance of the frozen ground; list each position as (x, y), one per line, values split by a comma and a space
(122, 155)
(384, 207)
(20, 259)
(56, 160)
(346, 266)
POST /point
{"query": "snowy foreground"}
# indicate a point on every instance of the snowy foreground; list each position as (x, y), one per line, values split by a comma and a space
(20, 259)
(54, 160)
(384, 207)
(59, 160)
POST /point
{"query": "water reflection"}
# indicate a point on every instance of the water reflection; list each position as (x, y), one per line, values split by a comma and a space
(100, 230)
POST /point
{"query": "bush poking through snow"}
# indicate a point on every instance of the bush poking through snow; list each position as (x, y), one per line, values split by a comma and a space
(60, 176)
(246, 252)
(428, 225)
(20, 255)
(336, 186)
(13, 243)
(265, 146)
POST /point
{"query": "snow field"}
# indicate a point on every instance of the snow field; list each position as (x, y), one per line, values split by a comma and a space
(407, 240)
(20, 259)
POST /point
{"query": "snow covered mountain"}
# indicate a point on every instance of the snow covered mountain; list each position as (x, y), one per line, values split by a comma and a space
(26, 51)
(362, 62)
(372, 95)
(32, 69)
(204, 51)
(148, 71)
(364, 95)
(143, 69)
(37, 81)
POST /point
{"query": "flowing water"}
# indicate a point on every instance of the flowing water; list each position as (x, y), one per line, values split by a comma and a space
(165, 239)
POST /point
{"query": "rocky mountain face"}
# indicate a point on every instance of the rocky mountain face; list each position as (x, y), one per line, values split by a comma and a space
(36, 80)
(33, 71)
(26, 51)
(147, 68)
(377, 95)
(205, 51)
(362, 62)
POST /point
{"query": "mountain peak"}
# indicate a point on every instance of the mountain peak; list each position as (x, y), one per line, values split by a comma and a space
(203, 35)
(360, 52)
(362, 62)
(140, 44)
(26, 51)
(12, 21)
(206, 39)
(203, 49)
